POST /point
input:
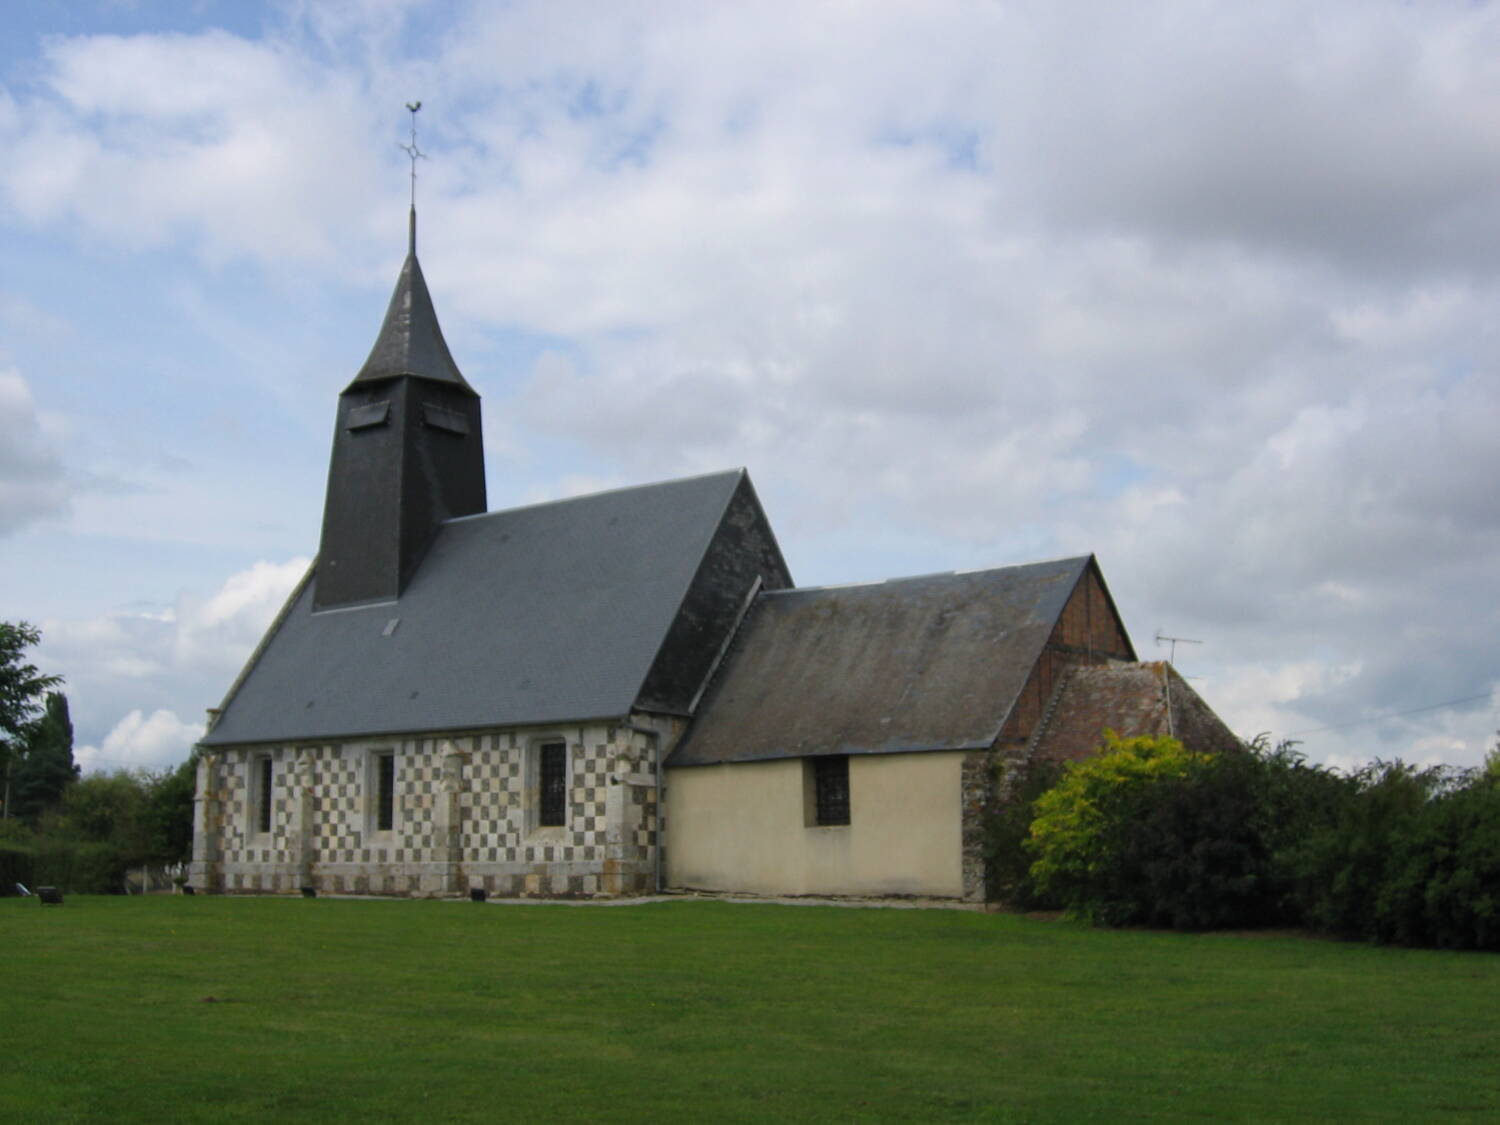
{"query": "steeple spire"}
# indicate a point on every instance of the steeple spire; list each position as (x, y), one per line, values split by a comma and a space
(408, 450)
(410, 341)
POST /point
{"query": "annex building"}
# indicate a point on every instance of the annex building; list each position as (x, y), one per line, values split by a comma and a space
(625, 692)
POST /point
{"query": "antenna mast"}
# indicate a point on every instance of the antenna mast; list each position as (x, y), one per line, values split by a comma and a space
(1167, 679)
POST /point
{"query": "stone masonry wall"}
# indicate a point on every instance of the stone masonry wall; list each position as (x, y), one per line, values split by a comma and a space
(977, 779)
(465, 816)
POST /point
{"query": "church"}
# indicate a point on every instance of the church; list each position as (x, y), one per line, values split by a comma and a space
(626, 693)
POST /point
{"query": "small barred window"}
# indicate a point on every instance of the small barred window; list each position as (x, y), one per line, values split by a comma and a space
(385, 792)
(553, 778)
(263, 805)
(831, 782)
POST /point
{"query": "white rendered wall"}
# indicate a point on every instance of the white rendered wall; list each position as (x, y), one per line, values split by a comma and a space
(742, 827)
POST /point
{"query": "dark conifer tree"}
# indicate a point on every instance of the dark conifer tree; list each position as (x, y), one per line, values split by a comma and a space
(21, 690)
(45, 769)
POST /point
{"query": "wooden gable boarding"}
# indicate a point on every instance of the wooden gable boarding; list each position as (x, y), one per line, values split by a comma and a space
(1088, 631)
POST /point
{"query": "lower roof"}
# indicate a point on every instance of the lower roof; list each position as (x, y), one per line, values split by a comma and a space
(928, 663)
(1130, 699)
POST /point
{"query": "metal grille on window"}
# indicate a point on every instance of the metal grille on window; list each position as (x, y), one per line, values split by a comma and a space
(385, 792)
(831, 778)
(554, 785)
(263, 813)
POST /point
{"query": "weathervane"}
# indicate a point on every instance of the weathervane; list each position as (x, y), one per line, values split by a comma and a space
(413, 152)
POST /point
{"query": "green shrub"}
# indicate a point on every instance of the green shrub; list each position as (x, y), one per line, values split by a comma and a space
(1150, 833)
(1442, 877)
(1073, 838)
(1338, 869)
(1188, 851)
(84, 867)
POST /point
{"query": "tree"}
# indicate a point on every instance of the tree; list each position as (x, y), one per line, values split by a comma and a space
(22, 689)
(1490, 770)
(45, 769)
(169, 812)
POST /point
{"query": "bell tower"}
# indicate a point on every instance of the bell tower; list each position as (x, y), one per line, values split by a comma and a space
(408, 453)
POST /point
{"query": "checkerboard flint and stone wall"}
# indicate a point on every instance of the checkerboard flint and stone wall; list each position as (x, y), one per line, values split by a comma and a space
(465, 816)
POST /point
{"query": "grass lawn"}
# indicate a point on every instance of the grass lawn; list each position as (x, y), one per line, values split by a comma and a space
(243, 1009)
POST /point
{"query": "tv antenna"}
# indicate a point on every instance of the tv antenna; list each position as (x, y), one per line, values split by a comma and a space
(1162, 638)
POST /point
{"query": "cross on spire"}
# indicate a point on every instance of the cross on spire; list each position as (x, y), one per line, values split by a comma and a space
(413, 153)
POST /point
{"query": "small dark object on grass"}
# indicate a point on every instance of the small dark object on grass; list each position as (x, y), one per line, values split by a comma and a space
(49, 896)
(187, 889)
(309, 892)
(478, 894)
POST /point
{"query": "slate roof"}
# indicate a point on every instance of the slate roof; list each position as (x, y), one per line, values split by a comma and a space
(928, 663)
(411, 341)
(1130, 699)
(540, 614)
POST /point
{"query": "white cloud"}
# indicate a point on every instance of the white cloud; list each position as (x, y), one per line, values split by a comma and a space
(241, 148)
(138, 740)
(152, 666)
(225, 627)
(32, 482)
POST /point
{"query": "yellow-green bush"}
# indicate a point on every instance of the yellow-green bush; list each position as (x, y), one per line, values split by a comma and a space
(1069, 836)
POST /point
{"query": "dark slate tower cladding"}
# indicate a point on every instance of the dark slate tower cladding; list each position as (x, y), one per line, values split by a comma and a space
(407, 453)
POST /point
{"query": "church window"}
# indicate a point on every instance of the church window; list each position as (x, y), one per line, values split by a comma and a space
(385, 792)
(831, 789)
(552, 778)
(263, 788)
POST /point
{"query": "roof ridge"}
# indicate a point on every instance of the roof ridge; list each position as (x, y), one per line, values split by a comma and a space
(594, 495)
(929, 574)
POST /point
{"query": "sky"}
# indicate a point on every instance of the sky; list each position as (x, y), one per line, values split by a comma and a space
(1207, 289)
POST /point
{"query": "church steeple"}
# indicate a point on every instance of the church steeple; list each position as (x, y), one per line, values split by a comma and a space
(407, 453)
(410, 341)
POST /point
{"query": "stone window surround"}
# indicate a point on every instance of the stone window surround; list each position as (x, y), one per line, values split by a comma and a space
(374, 834)
(259, 797)
(533, 831)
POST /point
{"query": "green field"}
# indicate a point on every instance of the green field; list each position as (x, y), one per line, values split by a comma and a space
(221, 1009)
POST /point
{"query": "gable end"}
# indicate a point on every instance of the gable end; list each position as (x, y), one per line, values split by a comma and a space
(742, 550)
(1088, 631)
